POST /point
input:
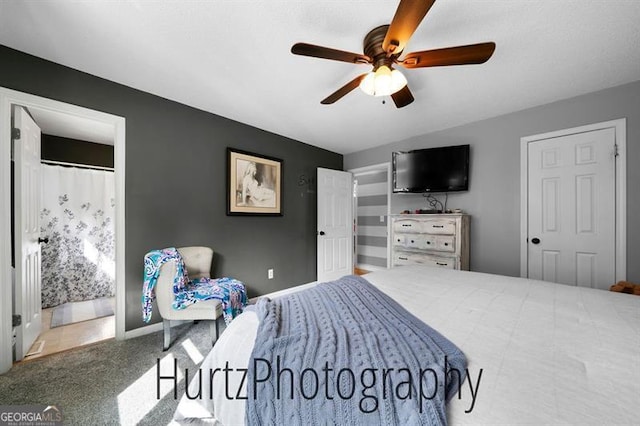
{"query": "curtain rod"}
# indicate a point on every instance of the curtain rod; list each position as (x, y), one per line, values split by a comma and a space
(81, 166)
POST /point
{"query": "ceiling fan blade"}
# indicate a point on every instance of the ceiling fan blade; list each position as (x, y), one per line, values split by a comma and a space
(402, 97)
(407, 18)
(343, 90)
(460, 55)
(314, 51)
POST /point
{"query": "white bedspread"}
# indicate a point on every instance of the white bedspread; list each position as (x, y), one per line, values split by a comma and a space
(549, 353)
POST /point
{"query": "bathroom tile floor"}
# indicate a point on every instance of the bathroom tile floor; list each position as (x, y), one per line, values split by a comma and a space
(70, 336)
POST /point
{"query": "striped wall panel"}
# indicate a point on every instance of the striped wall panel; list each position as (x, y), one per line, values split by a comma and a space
(371, 243)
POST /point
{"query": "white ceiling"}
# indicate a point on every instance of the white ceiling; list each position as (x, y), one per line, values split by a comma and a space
(233, 58)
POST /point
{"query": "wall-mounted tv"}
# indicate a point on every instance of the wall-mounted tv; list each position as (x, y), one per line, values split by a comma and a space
(444, 169)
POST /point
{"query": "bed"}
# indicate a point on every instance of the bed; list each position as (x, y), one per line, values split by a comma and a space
(537, 352)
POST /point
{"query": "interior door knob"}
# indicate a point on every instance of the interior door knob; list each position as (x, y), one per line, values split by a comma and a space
(535, 240)
(43, 240)
(321, 233)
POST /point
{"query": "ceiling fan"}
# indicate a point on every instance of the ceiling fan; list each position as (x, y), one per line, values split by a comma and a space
(382, 48)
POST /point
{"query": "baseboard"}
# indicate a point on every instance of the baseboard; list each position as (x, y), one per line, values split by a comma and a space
(286, 291)
(147, 329)
(370, 267)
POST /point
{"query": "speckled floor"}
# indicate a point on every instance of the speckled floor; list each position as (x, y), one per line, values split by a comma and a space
(111, 382)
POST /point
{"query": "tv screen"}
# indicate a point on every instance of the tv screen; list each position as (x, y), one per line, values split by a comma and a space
(443, 169)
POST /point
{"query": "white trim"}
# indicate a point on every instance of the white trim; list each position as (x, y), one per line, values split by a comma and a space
(6, 333)
(371, 268)
(620, 127)
(152, 328)
(82, 166)
(287, 291)
(9, 97)
(621, 200)
(147, 329)
(119, 163)
(372, 169)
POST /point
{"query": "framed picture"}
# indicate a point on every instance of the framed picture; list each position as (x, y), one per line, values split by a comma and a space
(254, 184)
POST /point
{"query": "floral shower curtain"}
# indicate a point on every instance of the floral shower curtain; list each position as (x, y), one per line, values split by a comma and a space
(78, 210)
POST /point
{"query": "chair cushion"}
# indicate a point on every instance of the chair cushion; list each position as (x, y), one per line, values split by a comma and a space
(197, 261)
(203, 310)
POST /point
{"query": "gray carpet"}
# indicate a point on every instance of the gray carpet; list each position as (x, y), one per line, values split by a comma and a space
(100, 384)
(71, 312)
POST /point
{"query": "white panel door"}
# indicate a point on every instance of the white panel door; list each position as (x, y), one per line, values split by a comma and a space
(27, 296)
(571, 209)
(335, 224)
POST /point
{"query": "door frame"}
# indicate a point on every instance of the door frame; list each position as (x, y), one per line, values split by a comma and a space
(8, 98)
(374, 167)
(620, 127)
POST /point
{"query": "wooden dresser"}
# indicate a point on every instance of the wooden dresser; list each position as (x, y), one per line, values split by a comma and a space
(440, 240)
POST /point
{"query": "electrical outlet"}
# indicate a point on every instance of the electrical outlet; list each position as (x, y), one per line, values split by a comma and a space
(270, 274)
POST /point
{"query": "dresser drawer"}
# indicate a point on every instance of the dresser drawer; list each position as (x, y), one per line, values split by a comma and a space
(420, 241)
(407, 259)
(400, 240)
(446, 243)
(423, 259)
(407, 225)
(441, 262)
(439, 226)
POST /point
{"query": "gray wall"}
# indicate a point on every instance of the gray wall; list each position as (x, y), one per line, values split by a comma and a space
(176, 176)
(493, 198)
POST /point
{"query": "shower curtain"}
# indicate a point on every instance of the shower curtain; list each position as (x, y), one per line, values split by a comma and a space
(78, 210)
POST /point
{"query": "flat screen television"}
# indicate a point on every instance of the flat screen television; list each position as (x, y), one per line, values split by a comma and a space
(444, 169)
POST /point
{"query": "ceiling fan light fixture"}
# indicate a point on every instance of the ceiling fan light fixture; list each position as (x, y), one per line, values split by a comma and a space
(383, 82)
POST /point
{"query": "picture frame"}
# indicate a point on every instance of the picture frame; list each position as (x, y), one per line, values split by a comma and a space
(254, 184)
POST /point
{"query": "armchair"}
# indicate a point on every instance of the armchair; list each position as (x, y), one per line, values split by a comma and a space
(197, 260)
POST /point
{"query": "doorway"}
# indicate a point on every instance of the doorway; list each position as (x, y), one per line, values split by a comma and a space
(77, 215)
(372, 210)
(573, 205)
(90, 120)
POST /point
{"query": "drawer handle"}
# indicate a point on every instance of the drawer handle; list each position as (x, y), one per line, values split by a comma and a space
(406, 225)
(402, 258)
(446, 244)
(441, 264)
(428, 242)
(412, 241)
(438, 226)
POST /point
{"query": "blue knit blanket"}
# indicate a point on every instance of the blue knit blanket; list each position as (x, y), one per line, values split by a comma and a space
(345, 353)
